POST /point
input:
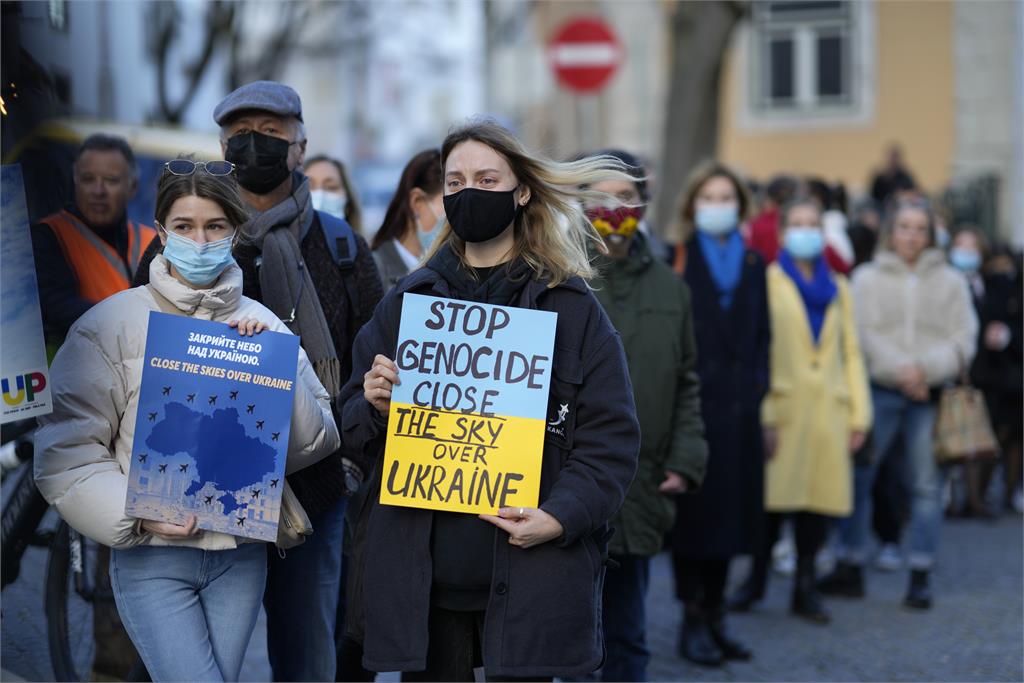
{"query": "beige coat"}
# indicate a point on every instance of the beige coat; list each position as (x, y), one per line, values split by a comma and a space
(819, 395)
(83, 449)
(921, 315)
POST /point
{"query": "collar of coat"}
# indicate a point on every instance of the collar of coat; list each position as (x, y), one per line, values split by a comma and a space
(533, 290)
(930, 259)
(224, 293)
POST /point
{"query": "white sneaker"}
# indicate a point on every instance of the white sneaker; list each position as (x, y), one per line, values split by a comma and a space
(784, 557)
(889, 558)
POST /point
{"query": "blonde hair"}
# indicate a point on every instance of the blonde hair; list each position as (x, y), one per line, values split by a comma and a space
(703, 172)
(552, 233)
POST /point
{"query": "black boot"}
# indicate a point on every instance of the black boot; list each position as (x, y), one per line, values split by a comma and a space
(695, 641)
(919, 595)
(846, 580)
(731, 647)
(806, 600)
(752, 589)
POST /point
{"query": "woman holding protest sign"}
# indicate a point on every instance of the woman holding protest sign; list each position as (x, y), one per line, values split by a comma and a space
(517, 592)
(188, 598)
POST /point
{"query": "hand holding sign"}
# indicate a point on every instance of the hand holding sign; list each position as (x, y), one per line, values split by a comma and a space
(378, 381)
(526, 527)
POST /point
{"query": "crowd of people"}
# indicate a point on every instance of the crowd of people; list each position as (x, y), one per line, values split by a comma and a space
(780, 366)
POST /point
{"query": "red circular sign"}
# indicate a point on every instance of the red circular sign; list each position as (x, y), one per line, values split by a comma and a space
(584, 54)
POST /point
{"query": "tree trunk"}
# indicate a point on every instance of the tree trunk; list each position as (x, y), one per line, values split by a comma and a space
(700, 36)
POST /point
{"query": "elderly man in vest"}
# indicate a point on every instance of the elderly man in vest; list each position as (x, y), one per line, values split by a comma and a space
(90, 249)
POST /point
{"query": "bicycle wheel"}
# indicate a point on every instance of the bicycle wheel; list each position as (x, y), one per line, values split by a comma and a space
(69, 618)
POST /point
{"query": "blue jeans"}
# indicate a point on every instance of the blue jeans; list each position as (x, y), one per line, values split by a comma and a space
(624, 619)
(302, 602)
(912, 423)
(190, 612)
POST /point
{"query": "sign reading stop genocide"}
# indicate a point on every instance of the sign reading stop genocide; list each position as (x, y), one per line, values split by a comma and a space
(584, 54)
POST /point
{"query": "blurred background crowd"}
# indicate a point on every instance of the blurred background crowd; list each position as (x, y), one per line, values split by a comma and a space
(873, 109)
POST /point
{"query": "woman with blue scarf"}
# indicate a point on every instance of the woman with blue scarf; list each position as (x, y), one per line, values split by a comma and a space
(730, 317)
(818, 406)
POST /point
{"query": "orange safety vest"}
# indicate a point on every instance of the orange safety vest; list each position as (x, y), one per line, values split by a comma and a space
(97, 265)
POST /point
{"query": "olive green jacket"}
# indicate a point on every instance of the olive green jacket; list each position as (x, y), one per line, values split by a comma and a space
(650, 307)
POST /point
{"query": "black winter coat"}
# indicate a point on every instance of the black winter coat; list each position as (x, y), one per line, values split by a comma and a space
(724, 518)
(543, 616)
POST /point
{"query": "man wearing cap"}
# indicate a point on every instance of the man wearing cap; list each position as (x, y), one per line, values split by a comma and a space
(319, 277)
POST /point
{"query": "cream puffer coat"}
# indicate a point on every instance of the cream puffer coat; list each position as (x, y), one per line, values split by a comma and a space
(83, 448)
(921, 315)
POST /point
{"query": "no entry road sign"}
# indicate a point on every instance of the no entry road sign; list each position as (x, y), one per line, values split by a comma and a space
(584, 54)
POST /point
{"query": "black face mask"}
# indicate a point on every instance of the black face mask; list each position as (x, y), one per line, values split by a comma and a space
(480, 215)
(261, 161)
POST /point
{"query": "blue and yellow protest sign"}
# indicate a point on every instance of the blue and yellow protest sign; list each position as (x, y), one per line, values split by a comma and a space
(466, 425)
(211, 432)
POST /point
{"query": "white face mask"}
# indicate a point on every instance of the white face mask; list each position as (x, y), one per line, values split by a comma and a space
(329, 202)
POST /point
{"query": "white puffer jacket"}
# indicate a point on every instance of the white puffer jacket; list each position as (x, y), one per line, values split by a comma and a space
(83, 449)
(921, 315)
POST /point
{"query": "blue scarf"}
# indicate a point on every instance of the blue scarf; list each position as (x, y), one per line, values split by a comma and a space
(725, 261)
(817, 293)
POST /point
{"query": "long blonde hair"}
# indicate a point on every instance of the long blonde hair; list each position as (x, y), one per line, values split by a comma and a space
(551, 232)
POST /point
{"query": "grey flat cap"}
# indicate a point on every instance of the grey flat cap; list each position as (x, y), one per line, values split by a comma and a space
(271, 96)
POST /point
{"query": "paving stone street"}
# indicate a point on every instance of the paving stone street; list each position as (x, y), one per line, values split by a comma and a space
(973, 633)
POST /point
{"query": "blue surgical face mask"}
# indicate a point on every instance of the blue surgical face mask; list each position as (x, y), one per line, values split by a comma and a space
(966, 260)
(329, 202)
(717, 219)
(200, 264)
(803, 244)
(427, 237)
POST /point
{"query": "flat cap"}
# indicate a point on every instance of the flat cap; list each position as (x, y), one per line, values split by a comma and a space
(271, 96)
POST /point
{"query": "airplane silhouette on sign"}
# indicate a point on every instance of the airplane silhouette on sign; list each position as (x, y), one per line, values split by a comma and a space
(233, 395)
(163, 468)
(249, 408)
(273, 483)
(152, 417)
(209, 500)
(142, 457)
(191, 397)
(167, 391)
(183, 468)
(255, 493)
(275, 436)
(259, 424)
(240, 522)
(213, 400)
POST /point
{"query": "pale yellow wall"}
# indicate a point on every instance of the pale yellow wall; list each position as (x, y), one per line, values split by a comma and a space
(915, 106)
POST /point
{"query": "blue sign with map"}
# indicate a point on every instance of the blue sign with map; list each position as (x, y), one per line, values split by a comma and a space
(211, 432)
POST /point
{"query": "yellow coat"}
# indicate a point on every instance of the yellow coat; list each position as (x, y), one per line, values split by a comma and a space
(819, 394)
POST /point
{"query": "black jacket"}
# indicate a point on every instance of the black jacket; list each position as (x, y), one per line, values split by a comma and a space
(724, 518)
(543, 617)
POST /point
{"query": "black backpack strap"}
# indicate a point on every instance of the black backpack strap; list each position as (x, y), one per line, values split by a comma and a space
(341, 242)
(341, 239)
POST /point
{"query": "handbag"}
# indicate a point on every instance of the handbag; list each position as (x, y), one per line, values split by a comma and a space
(963, 430)
(293, 523)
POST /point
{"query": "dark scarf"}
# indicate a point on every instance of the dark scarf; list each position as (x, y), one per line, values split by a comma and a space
(725, 263)
(277, 234)
(500, 288)
(817, 293)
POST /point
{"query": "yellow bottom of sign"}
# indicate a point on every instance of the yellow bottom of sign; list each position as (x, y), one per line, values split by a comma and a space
(461, 462)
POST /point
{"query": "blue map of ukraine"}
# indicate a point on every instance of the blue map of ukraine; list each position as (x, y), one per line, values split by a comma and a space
(206, 439)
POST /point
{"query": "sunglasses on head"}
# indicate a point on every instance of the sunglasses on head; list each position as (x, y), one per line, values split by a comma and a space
(188, 167)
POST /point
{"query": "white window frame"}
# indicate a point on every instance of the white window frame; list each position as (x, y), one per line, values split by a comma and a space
(806, 112)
